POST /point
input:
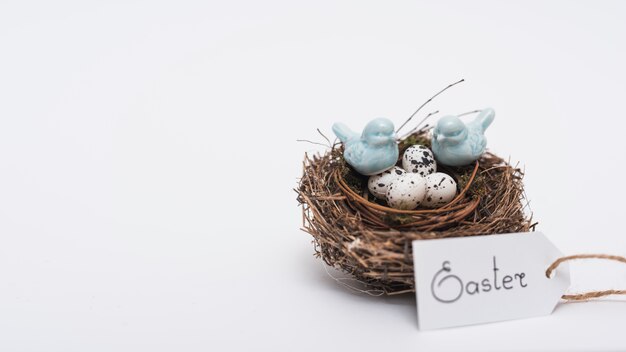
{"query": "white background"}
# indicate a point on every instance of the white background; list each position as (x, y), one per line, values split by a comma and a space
(148, 160)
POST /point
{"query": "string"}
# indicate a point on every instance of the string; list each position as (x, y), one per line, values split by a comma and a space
(591, 294)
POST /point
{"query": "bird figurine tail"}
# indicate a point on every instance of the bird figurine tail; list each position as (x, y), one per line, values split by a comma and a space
(485, 118)
(344, 132)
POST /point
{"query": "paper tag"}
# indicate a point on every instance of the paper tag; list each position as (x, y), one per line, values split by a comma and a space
(481, 279)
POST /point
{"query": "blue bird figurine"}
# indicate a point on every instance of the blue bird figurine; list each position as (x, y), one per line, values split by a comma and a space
(455, 143)
(372, 152)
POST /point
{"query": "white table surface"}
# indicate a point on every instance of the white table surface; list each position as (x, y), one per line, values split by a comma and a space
(148, 160)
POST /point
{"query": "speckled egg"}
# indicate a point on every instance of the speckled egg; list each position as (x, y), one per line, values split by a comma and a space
(440, 190)
(407, 191)
(420, 160)
(378, 184)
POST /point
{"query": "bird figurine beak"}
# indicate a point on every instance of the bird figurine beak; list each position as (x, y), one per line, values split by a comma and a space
(441, 138)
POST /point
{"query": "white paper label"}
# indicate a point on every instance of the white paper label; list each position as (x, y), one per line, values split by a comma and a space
(481, 279)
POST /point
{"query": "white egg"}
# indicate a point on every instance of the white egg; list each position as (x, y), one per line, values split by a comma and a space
(378, 184)
(419, 159)
(407, 191)
(440, 190)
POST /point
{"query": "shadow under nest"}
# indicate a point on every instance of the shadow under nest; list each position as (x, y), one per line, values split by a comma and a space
(362, 236)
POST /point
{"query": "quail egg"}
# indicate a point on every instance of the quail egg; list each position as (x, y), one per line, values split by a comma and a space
(420, 160)
(406, 192)
(378, 184)
(440, 190)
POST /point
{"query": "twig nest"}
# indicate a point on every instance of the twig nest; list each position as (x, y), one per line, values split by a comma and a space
(406, 191)
(370, 240)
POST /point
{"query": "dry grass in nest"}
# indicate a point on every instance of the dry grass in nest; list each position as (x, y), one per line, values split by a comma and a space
(364, 237)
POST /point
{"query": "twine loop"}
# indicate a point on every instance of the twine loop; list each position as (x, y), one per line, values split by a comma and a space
(591, 294)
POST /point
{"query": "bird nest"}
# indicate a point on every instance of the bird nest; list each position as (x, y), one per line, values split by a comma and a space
(362, 236)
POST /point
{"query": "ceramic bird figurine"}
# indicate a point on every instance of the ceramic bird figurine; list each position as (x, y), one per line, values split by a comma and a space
(455, 143)
(372, 152)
